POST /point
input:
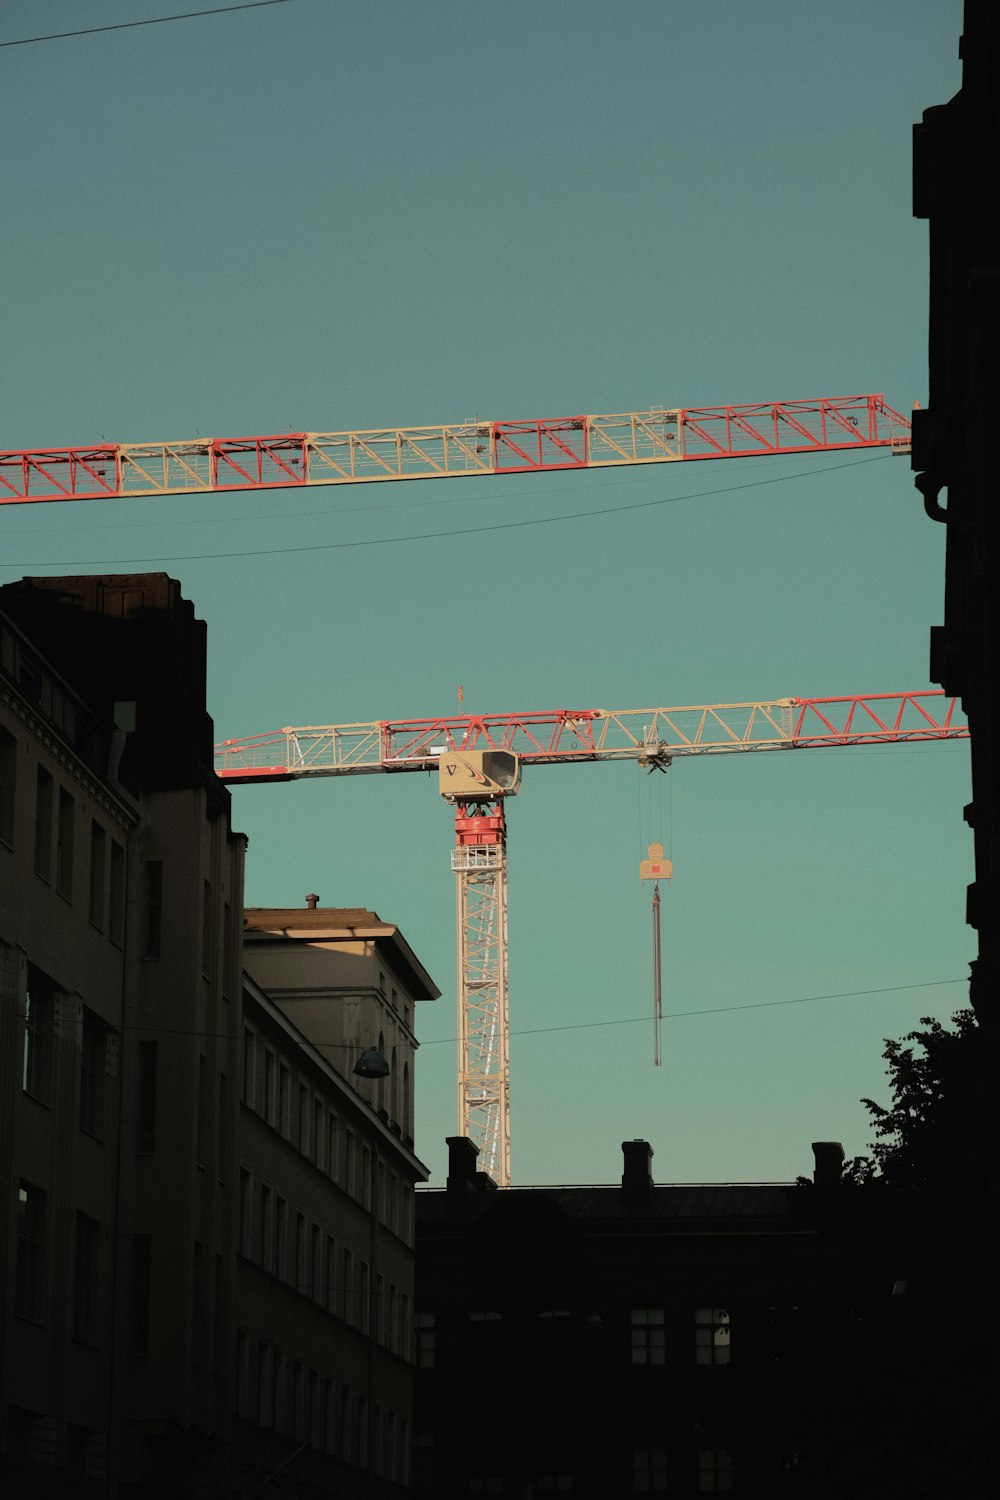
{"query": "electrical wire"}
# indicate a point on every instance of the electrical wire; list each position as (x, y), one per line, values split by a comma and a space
(375, 503)
(712, 1010)
(717, 1010)
(428, 536)
(190, 15)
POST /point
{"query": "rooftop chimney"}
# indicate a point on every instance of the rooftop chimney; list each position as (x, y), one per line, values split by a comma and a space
(462, 1174)
(828, 1162)
(637, 1177)
(312, 901)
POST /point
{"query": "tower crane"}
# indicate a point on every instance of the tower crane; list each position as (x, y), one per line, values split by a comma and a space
(289, 460)
(479, 760)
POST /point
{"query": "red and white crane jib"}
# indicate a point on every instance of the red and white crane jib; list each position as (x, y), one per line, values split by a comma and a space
(293, 459)
(652, 736)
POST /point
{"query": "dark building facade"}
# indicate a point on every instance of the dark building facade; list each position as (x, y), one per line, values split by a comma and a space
(613, 1341)
(121, 888)
(206, 1241)
(956, 154)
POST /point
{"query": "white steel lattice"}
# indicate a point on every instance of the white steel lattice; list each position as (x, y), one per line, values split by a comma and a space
(483, 1023)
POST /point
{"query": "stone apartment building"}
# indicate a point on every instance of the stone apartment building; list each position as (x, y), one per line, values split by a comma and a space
(206, 1262)
(324, 1285)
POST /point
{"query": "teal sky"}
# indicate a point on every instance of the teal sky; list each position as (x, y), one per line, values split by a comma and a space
(325, 215)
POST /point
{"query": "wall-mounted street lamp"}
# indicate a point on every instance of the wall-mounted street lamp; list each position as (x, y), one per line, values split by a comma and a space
(371, 1064)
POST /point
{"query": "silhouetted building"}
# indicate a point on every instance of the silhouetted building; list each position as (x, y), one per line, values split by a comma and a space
(956, 151)
(207, 1260)
(120, 904)
(610, 1341)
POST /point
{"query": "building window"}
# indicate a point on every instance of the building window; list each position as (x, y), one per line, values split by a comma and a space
(116, 911)
(86, 1279)
(268, 1102)
(344, 1437)
(265, 1229)
(349, 1161)
(265, 1408)
(281, 1238)
(29, 1284)
(242, 1373)
(284, 1104)
(316, 1258)
(154, 908)
(145, 1138)
(332, 1147)
(318, 1118)
(424, 1334)
(207, 934)
(554, 1484)
(312, 1410)
(711, 1336)
(93, 1074)
(222, 1130)
(350, 1314)
(649, 1470)
(39, 1034)
(98, 850)
(327, 1418)
(8, 786)
(227, 951)
(364, 1298)
(331, 1274)
(404, 1325)
(249, 1067)
(300, 1426)
(648, 1336)
(245, 1212)
(202, 1137)
(141, 1294)
(380, 1309)
(715, 1470)
(220, 1317)
(43, 824)
(303, 1120)
(301, 1252)
(64, 844)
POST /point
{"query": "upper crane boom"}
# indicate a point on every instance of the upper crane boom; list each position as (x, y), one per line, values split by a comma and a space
(649, 735)
(293, 459)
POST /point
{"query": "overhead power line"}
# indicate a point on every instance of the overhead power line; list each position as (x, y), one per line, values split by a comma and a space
(676, 1015)
(190, 15)
(429, 536)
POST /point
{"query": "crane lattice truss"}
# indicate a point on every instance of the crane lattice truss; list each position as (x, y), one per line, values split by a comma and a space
(291, 459)
(483, 1013)
(651, 737)
(561, 735)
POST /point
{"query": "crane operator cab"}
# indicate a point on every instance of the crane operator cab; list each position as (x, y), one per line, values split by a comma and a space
(478, 775)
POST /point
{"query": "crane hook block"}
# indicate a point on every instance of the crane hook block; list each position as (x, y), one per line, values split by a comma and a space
(467, 775)
(655, 867)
